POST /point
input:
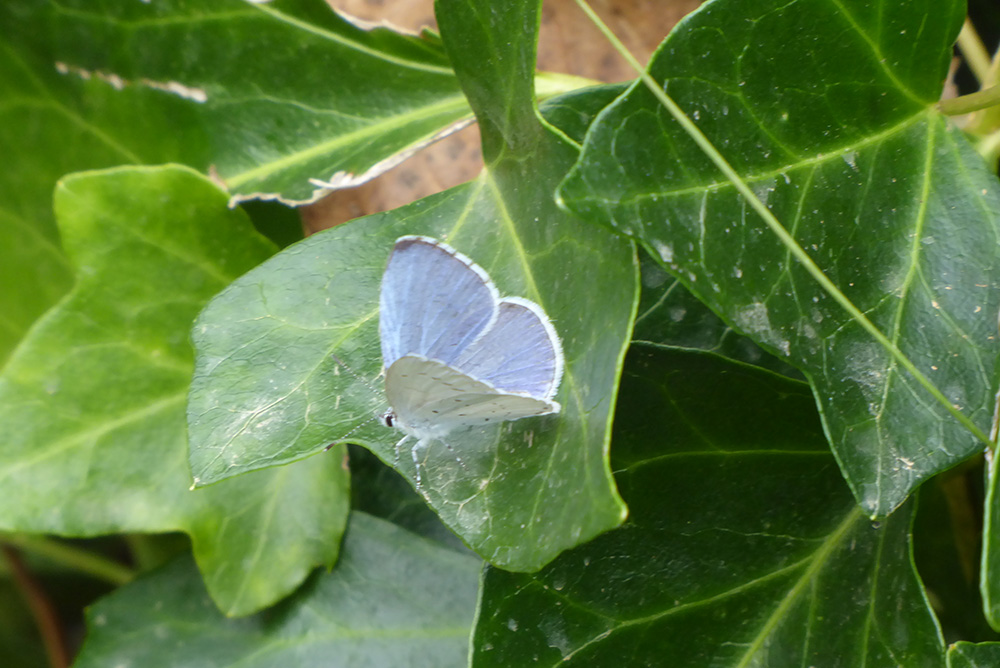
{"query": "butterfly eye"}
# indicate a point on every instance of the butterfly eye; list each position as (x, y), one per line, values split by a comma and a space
(388, 418)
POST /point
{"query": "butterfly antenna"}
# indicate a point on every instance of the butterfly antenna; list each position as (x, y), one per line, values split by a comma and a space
(351, 371)
(356, 427)
(364, 382)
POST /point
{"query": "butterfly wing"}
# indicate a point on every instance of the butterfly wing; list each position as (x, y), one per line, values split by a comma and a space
(430, 398)
(519, 352)
(434, 301)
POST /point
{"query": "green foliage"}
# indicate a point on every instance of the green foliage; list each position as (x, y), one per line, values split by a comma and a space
(970, 655)
(748, 498)
(395, 599)
(794, 558)
(863, 172)
(83, 458)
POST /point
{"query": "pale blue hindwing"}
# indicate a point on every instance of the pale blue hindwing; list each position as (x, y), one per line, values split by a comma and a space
(501, 357)
(517, 354)
(430, 399)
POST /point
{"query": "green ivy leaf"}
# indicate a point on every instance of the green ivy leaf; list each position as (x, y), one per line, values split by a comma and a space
(267, 389)
(268, 122)
(670, 315)
(393, 600)
(973, 655)
(892, 204)
(790, 574)
(34, 272)
(269, 94)
(92, 402)
(378, 490)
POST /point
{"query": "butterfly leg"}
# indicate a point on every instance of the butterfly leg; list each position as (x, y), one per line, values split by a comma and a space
(399, 444)
(416, 469)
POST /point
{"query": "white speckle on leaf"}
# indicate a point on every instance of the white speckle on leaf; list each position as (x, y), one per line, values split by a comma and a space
(764, 189)
(665, 251)
(677, 313)
(178, 89)
(555, 634)
(755, 320)
(512, 624)
(867, 370)
(118, 83)
(851, 158)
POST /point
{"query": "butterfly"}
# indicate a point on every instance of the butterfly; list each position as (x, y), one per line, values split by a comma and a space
(455, 354)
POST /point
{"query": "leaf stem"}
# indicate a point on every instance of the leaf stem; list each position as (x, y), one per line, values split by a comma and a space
(787, 239)
(71, 557)
(41, 608)
(975, 53)
(989, 148)
(548, 84)
(965, 104)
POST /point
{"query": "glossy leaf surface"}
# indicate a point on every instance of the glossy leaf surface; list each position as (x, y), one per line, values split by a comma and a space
(330, 101)
(393, 600)
(670, 315)
(92, 402)
(791, 574)
(974, 655)
(267, 95)
(378, 490)
(268, 390)
(846, 150)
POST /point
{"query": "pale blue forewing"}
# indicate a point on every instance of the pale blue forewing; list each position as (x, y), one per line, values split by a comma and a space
(432, 303)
